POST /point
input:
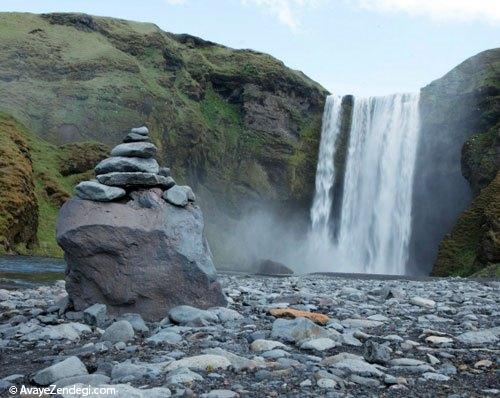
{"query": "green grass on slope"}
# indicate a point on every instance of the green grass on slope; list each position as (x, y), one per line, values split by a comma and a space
(458, 253)
(490, 271)
(51, 187)
(75, 77)
(224, 120)
(46, 162)
(18, 205)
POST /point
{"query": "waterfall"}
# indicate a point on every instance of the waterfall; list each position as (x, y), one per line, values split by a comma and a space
(375, 218)
(325, 172)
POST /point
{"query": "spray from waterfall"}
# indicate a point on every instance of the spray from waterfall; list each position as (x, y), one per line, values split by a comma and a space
(375, 219)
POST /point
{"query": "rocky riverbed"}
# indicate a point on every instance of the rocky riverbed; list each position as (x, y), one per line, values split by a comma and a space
(350, 337)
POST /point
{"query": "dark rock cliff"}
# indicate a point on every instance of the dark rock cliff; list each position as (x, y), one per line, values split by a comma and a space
(237, 125)
(340, 161)
(457, 157)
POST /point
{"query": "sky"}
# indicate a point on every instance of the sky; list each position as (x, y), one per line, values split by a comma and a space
(360, 47)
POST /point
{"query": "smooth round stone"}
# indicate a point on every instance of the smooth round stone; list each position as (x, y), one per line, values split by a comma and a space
(376, 353)
(176, 196)
(189, 192)
(275, 354)
(95, 379)
(95, 315)
(320, 344)
(422, 302)
(143, 130)
(136, 321)
(71, 366)
(326, 383)
(120, 331)
(439, 340)
(265, 345)
(185, 314)
(133, 137)
(221, 394)
(435, 376)
(124, 164)
(164, 337)
(128, 179)
(182, 376)
(135, 149)
(200, 362)
(92, 190)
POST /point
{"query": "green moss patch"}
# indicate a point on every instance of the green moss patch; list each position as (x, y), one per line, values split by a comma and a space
(36, 178)
(474, 239)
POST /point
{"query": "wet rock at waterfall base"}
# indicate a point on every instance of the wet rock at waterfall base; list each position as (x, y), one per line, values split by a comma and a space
(272, 268)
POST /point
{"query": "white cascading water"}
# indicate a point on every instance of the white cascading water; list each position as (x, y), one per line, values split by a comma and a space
(375, 221)
(322, 202)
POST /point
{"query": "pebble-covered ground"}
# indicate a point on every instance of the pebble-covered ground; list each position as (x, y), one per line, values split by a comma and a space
(354, 337)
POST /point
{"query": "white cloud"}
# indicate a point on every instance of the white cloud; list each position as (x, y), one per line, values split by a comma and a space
(286, 11)
(441, 10)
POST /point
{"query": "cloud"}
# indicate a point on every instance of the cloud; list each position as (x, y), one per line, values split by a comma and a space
(440, 10)
(286, 11)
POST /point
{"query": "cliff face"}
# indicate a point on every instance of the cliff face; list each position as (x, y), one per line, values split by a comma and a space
(474, 242)
(340, 161)
(457, 157)
(237, 125)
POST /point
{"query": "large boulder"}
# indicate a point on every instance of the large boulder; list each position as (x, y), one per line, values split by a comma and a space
(143, 256)
(271, 268)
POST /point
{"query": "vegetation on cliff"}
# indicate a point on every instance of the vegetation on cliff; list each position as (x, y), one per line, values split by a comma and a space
(237, 125)
(474, 242)
(18, 204)
(36, 178)
(462, 110)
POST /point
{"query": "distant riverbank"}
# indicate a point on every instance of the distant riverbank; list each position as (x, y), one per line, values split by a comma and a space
(17, 271)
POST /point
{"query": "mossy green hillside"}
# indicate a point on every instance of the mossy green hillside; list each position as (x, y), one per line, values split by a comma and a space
(95, 77)
(18, 204)
(237, 125)
(35, 183)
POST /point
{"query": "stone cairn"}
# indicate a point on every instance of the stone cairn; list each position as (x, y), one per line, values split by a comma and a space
(132, 165)
(134, 240)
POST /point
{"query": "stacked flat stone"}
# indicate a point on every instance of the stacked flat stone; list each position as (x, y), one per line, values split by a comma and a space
(131, 166)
